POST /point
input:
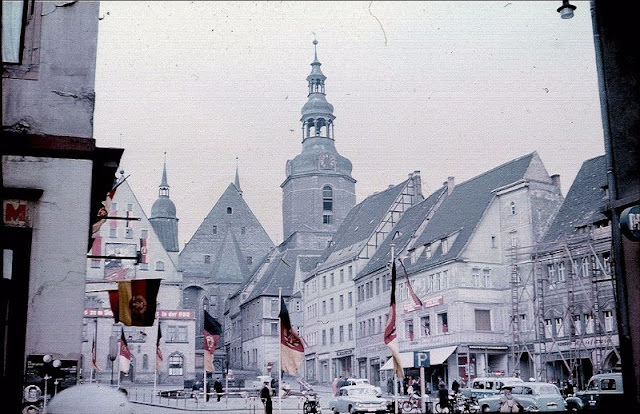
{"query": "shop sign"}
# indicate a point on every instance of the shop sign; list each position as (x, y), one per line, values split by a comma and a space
(630, 222)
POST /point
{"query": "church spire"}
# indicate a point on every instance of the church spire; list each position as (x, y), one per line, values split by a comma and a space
(317, 113)
(237, 180)
(163, 188)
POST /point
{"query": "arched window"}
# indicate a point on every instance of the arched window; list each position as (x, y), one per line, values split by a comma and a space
(229, 210)
(327, 204)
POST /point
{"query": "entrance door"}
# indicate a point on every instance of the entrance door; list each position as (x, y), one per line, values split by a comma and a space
(15, 244)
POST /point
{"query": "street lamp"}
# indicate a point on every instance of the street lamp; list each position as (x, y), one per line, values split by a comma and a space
(113, 352)
(566, 10)
(48, 363)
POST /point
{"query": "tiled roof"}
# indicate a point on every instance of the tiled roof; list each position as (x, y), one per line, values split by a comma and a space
(584, 203)
(462, 210)
(403, 231)
(360, 223)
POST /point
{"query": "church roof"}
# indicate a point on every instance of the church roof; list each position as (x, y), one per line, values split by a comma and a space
(584, 203)
(229, 243)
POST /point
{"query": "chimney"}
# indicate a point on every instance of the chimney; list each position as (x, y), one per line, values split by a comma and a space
(417, 182)
(451, 182)
(555, 179)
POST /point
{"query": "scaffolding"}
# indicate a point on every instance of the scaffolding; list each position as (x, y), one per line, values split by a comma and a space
(563, 294)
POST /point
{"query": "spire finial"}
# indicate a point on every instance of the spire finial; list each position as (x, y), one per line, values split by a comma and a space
(237, 181)
(315, 46)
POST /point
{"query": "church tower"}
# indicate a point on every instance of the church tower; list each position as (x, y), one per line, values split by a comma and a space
(318, 191)
(163, 217)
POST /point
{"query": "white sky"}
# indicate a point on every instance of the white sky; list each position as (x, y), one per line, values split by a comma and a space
(447, 88)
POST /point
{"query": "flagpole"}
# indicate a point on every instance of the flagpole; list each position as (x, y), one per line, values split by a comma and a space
(280, 351)
(94, 350)
(119, 351)
(155, 370)
(395, 375)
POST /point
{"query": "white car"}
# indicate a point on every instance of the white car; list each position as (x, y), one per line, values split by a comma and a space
(363, 382)
(358, 399)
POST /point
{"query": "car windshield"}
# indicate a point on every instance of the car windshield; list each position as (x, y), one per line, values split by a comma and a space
(362, 391)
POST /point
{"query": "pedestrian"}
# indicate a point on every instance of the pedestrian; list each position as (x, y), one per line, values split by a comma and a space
(217, 387)
(265, 396)
(443, 394)
(334, 385)
(455, 386)
(508, 404)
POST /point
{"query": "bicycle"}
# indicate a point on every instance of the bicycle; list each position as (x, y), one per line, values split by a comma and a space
(458, 404)
(412, 404)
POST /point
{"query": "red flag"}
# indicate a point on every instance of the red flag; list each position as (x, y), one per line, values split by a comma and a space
(125, 354)
(134, 303)
(390, 334)
(292, 348)
(94, 358)
(417, 303)
(158, 350)
(212, 331)
(103, 213)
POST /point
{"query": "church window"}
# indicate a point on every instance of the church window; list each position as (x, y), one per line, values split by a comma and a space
(207, 258)
(229, 210)
(175, 365)
(249, 260)
(243, 230)
(327, 198)
(215, 229)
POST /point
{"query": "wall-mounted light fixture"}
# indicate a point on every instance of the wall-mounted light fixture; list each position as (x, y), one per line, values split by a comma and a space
(566, 10)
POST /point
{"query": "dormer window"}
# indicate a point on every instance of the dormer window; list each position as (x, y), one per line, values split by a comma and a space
(229, 210)
(445, 245)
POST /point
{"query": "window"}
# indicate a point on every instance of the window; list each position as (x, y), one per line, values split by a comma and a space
(21, 22)
(332, 279)
(331, 308)
(512, 206)
(324, 337)
(445, 245)
(341, 333)
(514, 238)
(408, 329)
(274, 328)
(548, 328)
(215, 229)
(330, 335)
(176, 333)
(350, 300)
(341, 302)
(350, 331)
(608, 320)
(324, 281)
(160, 266)
(427, 251)
(523, 322)
(559, 327)
(486, 278)
(249, 260)
(243, 230)
(425, 325)
(229, 210)
(585, 266)
(493, 242)
(145, 362)
(562, 272)
(324, 307)
(551, 273)
(327, 198)
(588, 323)
(483, 320)
(350, 271)
(443, 322)
(175, 364)
(207, 258)
(577, 324)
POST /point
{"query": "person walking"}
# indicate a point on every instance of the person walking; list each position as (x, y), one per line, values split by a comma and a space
(217, 387)
(265, 396)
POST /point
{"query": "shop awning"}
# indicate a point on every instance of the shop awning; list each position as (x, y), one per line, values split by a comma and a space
(437, 357)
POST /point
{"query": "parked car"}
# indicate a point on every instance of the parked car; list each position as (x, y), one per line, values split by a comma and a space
(604, 393)
(356, 399)
(530, 396)
(365, 382)
(487, 386)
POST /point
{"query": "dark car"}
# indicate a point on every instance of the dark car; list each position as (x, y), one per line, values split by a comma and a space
(604, 393)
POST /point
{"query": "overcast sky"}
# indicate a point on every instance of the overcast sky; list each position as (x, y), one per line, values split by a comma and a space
(447, 88)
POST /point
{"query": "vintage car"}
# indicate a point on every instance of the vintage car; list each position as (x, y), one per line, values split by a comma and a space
(487, 386)
(358, 399)
(530, 396)
(604, 393)
(363, 381)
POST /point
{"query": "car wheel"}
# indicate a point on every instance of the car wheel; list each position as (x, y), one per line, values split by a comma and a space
(485, 409)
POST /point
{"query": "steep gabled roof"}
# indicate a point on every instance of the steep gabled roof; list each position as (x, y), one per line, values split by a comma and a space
(584, 203)
(238, 235)
(360, 224)
(404, 231)
(463, 209)
(278, 275)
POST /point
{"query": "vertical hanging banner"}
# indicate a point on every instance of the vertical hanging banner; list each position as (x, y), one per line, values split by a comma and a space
(212, 331)
(134, 303)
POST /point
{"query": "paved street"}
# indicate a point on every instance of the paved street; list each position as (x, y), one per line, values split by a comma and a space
(143, 403)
